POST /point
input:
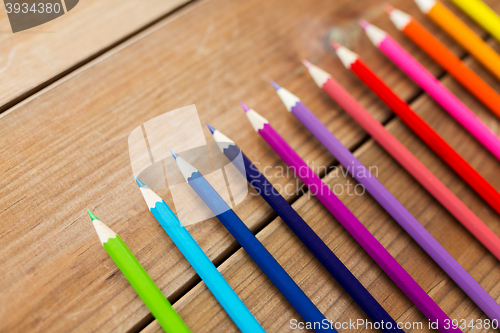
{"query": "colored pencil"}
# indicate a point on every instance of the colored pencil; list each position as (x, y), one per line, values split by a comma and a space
(357, 230)
(139, 279)
(359, 172)
(278, 276)
(482, 14)
(205, 269)
(433, 87)
(313, 242)
(446, 59)
(407, 160)
(462, 34)
(485, 190)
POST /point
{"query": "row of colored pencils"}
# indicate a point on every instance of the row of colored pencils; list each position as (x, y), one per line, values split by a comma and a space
(229, 300)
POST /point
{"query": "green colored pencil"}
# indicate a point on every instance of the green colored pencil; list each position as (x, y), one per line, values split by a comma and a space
(139, 279)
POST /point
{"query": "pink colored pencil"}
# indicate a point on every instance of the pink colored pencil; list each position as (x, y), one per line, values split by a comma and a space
(407, 160)
(357, 230)
(433, 87)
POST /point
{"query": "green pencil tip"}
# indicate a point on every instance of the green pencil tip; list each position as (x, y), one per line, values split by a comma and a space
(92, 216)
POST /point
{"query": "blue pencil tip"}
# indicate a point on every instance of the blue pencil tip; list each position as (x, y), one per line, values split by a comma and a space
(141, 184)
(275, 85)
(245, 108)
(211, 128)
(173, 154)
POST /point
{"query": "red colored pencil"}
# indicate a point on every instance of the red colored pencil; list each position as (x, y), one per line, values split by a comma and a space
(425, 132)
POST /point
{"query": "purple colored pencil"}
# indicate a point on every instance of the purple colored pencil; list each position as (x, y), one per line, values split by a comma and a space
(428, 243)
(345, 217)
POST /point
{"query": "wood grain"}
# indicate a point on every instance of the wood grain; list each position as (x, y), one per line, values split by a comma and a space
(65, 149)
(33, 57)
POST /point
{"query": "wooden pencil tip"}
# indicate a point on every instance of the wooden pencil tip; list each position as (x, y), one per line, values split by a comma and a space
(388, 8)
(103, 231)
(245, 108)
(306, 63)
(138, 181)
(335, 45)
(92, 216)
(275, 85)
(174, 154)
(363, 24)
(185, 167)
(425, 6)
(212, 130)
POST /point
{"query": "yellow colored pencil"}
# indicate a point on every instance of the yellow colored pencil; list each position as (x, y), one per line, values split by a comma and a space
(482, 14)
(462, 34)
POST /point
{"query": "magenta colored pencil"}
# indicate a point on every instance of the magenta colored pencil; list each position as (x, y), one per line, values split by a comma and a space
(357, 230)
(434, 88)
(428, 243)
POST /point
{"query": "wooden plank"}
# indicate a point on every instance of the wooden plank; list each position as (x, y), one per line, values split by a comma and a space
(31, 58)
(202, 313)
(65, 149)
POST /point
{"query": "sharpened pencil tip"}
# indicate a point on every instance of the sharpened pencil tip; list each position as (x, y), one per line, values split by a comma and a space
(212, 130)
(275, 85)
(174, 154)
(363, 24)
(245, 108)
(103, 231)
(306, 63)
(138, 181)
(388, 8)
(335, 45)
(92, 216)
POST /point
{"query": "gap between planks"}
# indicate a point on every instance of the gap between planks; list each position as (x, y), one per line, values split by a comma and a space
(12, 104)
(142, 326)
(117, 45)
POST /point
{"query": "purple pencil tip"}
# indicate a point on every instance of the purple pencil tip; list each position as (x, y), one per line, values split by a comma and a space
(363, 24)
(245, 108)
(211, 128)
(275, 85)
(173, 154)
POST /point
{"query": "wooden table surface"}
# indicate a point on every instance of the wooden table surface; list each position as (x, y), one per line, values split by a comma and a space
(73, 90)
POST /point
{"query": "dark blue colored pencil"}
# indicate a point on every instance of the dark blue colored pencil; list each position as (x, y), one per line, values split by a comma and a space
(297, 224)
(278, 276)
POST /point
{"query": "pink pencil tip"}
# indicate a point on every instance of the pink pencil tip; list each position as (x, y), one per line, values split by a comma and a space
(388, 8)
(306, 63)
(363, 24)
(245, 108)
(335, 45)
(275, 85)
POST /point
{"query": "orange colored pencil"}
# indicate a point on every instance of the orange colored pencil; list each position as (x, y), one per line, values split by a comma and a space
(462, 34)
(446, 59)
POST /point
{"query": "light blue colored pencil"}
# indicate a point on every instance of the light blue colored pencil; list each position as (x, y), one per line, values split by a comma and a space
(206, 270)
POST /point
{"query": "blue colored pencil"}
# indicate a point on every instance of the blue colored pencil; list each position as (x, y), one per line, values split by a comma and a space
(278, 276)
(313, 242)
(205, 269)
